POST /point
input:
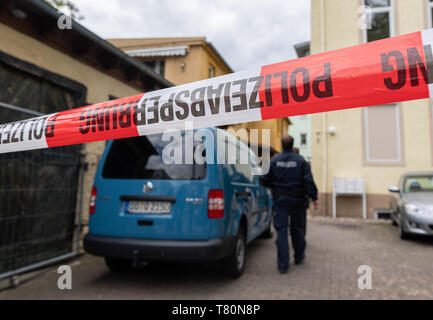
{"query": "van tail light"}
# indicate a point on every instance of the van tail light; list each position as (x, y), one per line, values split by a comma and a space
(92, 207)
(215, 208)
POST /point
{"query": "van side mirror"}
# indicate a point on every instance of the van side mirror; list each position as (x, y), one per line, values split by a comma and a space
(394, 189)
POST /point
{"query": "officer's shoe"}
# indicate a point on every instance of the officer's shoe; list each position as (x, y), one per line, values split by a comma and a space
(283, 271)
(299, 260)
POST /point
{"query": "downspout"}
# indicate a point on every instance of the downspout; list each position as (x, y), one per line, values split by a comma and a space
(324, 116)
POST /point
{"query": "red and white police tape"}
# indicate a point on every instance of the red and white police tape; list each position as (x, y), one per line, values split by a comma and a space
(379, 72)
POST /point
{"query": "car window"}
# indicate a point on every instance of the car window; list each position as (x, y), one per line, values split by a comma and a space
(418, 183)
(141, 158)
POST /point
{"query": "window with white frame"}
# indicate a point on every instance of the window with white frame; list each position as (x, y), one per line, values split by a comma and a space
(380, 18)
(157, 65)
(430, 13)
(382, 134)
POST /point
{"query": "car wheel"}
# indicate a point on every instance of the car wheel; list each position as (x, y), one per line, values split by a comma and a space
(234, 265)
(403, 234)
(118, 265)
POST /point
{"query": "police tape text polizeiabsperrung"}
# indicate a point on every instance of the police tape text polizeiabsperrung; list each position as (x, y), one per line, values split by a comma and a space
(376, 73)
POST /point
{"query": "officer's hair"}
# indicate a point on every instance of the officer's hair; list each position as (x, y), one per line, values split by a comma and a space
(287, 143)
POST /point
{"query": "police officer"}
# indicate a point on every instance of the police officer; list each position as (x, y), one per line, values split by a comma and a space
(291, 180)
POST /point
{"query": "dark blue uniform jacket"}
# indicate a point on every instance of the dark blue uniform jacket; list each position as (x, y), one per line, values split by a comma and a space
(289, 174)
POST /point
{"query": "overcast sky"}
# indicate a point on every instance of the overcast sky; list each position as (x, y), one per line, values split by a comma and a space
(247, 33)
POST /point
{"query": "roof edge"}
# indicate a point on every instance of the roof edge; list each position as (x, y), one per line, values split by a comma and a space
(51, 11)
(219, 55)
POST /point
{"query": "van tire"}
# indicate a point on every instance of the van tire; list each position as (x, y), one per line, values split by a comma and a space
(234, 265)
(118, 265)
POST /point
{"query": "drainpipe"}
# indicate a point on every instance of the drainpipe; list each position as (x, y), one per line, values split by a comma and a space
(324, 116)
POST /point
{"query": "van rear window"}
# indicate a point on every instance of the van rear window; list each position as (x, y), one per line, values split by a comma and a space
(141, 158)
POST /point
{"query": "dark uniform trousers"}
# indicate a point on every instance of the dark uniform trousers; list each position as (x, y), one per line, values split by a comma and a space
(294, 208)
(293, 185)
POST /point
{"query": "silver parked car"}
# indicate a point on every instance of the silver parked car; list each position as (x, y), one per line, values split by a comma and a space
(412, 205)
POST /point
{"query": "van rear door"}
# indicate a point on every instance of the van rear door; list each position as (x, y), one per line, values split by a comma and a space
(141, 196)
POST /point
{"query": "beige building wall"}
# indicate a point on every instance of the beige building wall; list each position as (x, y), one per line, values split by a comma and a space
(277, 127)
(193, 70)
(196, 61)
(334, 25)
(99, 86)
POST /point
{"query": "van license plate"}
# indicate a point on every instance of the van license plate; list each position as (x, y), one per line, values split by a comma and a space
(151, 207)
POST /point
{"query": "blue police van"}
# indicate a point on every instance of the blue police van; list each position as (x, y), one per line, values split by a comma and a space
(143, 209)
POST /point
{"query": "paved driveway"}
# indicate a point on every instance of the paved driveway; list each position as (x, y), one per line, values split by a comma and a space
(335, 250)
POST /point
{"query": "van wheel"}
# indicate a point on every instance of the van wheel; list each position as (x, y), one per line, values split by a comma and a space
(234, 265)
(118, 265)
